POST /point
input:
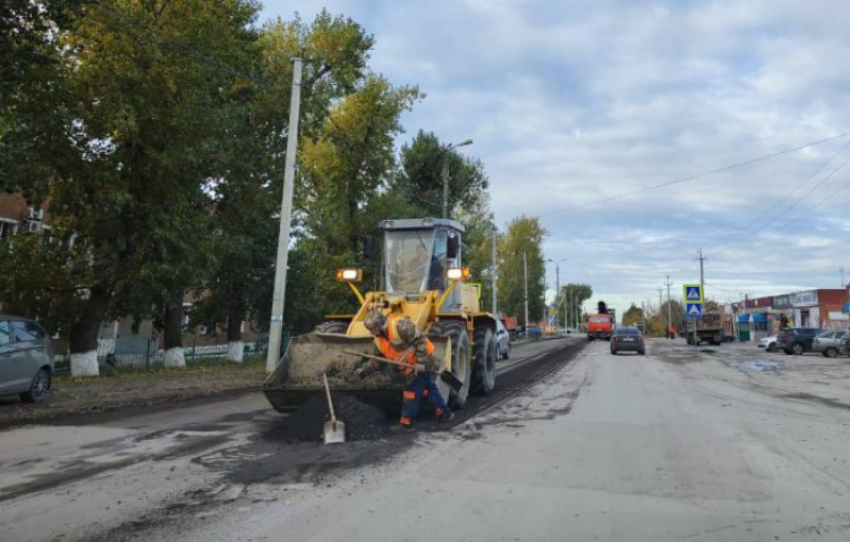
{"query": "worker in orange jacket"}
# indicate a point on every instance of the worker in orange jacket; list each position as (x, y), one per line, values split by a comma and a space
(397, 338)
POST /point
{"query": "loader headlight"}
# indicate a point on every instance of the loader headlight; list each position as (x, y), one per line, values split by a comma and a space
(349, 275)
(458, 273)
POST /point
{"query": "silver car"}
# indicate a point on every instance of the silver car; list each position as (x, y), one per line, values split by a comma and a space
(503, 340)
(831, 343)
(26, 359)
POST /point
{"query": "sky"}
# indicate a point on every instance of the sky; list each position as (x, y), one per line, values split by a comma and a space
(578, 108)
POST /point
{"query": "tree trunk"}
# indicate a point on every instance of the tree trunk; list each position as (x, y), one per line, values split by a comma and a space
(84, 332)
(235, 346)
(173, 335)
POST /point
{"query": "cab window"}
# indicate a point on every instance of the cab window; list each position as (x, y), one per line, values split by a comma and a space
(5, 334)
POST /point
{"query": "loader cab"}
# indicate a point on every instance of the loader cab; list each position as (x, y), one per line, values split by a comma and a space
(418, 253)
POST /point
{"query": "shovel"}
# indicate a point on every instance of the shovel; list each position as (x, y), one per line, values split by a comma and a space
(453, 382)
(334, 429)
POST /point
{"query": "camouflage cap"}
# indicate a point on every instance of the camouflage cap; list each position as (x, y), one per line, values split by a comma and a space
(375, 320)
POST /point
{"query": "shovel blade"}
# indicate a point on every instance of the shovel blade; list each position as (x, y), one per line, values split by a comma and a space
(334, 432)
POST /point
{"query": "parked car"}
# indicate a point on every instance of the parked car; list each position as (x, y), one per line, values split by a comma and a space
(533, 331)
(797, 340)
(627, 339)
(503, 340)
(831, 343)
(26, 359)
(769, 342)
(727, 338)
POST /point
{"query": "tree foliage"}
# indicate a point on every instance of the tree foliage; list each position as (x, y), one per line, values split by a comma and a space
(524, 236)
(633, 315)
(574, 295)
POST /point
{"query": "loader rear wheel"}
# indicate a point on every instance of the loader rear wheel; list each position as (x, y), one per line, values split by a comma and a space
(461, 362)
(484, 370)
(332, 326)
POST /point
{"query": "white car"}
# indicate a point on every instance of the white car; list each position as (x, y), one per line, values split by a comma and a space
(503, 340)
(768, 343)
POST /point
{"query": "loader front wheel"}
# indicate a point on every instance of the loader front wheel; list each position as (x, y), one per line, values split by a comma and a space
(461, 359)
(484, 371)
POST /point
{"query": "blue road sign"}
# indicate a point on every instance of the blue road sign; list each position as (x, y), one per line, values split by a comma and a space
(846, 308)
(693, 310)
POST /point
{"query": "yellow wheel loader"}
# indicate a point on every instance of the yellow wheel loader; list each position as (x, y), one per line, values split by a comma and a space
(422, 278)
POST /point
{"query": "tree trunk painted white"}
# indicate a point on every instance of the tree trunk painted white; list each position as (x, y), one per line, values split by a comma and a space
(174, 357)
(235, 351)
(85, 364)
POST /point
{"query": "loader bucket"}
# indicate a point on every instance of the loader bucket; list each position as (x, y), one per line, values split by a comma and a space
(298, 376)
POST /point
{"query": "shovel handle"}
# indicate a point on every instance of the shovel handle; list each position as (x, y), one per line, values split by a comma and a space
(418, 366)
(328, 393)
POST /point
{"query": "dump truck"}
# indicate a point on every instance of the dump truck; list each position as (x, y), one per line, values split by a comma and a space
(422, 277)
(600, 326)
(709, 329)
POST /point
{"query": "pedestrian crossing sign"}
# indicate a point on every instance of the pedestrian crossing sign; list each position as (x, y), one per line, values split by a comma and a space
(692, 293)
(693, 310)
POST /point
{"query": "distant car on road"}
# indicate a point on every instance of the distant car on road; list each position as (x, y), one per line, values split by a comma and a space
(726, 338)
(628, 339)
(533, 331)
(830, 343)
(769, 342)
(797, 340)
(26, 359)
(503, 340)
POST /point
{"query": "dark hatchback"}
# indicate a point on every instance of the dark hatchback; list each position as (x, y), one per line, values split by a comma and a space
(796, 340)
(628, 339)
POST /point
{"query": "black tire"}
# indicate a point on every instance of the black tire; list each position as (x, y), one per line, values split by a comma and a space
(771, 347)
(797, 349)
(332, 326)
(642, 352)
(508, 351)
(39, 388)
(484, 368)
(830, 353)
(613, 352)
(461, 358)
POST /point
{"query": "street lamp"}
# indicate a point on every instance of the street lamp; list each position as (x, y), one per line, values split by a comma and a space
(446, 174)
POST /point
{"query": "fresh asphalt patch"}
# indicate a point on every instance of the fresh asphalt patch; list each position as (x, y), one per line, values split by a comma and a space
(287, 451)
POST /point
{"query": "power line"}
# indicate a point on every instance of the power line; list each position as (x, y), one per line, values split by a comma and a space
(805, 181)
(795, 202)
(697, 176)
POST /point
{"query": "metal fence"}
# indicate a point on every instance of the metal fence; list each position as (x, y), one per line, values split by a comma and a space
(144, 353)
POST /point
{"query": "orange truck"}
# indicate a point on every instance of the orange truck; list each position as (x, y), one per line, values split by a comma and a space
(600, 326)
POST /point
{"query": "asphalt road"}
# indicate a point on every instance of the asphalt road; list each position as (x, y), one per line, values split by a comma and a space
(601, 448)
(148, 475)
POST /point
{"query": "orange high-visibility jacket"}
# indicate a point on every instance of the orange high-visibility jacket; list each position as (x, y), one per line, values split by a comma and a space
(397, 348)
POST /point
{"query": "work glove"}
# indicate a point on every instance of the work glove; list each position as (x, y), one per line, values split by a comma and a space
(431, 363)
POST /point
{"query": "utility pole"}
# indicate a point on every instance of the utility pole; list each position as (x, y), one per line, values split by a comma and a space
(278, 298)
(669, 313)
(843, 284)
(701, 273)
(495, 271)
(445, 174)
(525, 277)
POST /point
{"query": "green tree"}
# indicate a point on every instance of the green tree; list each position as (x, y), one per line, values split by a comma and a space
(633, 315)
(149, 94)
(524, 236)
(342, 170)
(574, 294)
(420, 178)
(247, 198)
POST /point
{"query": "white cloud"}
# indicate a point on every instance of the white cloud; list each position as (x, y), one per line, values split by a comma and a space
(573, 102)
